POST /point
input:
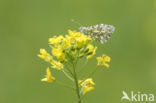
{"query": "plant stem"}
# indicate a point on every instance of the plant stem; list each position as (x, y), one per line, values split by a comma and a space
(76, 84)
(67, 75)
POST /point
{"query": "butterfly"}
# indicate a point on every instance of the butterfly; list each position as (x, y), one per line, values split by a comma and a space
(99, 32)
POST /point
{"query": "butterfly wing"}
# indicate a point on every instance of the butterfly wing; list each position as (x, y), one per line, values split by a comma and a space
(99, 32)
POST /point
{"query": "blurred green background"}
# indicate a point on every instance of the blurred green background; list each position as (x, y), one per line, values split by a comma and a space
(26, 25)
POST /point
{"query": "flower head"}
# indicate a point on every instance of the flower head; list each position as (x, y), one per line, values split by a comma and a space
(44, 55)
(57, 65)
(55, 40)
(91, 51)
(48, 77)
(102, 61)
(58, 53)
(87, 85)
(66, 43)
(68, 47)
(79, 38)
(89, 82)
(87, 89)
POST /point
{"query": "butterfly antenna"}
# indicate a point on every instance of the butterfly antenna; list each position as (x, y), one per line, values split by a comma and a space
(76, 22)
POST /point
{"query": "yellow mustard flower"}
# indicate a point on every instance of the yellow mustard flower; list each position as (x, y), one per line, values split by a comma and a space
(44, 55)
(89, 82)
(82, 40)
(87, 85)
(55, 40)
(48, 77)
(103, 60)
(57, 65)
(73, 34)
(79, 42)
(87, 89)
(74, 37)
(66, 43)
(92, 50)
(86, 39)
(78, 38)
(58, 53)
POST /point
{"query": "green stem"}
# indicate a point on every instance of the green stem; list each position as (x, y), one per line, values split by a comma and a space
(76, 84)
(67, 75)
(71, 73)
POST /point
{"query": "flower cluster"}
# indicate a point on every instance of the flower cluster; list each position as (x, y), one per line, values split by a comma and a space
(99, 32)
(67, 50)
(48, 58)
(75, 43)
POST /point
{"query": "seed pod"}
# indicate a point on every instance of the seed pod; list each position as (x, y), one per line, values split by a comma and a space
(99, 32)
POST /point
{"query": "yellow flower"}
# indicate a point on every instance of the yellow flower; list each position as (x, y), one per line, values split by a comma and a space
(86, 85)
(66, 43)
(90, 47)
(55, 40)
(78, 38)
(73, 34)
(102, 60)
(89, 82)
(57, 65)
(82, 40)
(79, 42)
(92, 50)
(86, 39)
(87, 89)
(44, 55)
(49, 77)
(58, 53)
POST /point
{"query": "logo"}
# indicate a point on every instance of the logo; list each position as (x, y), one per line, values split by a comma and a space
(138, 97)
